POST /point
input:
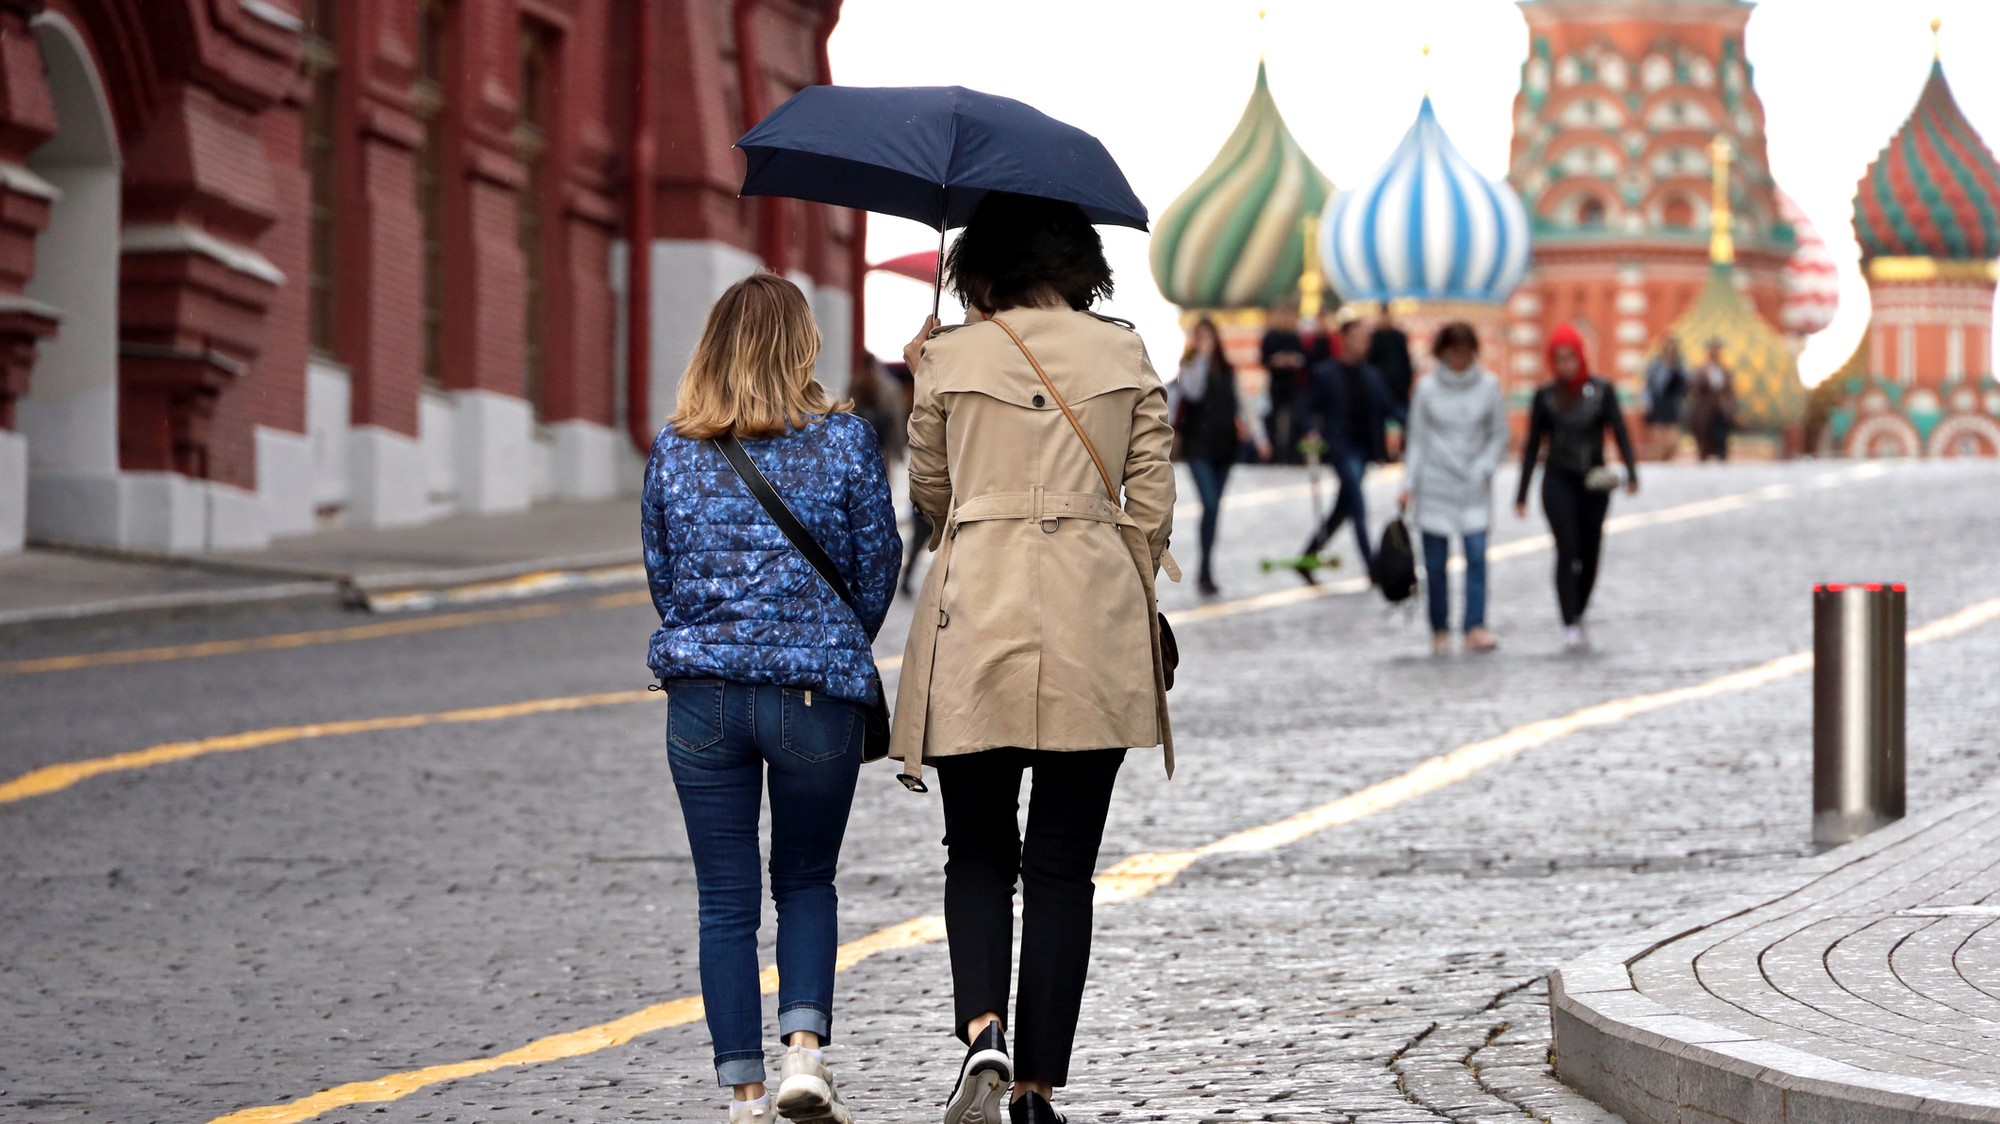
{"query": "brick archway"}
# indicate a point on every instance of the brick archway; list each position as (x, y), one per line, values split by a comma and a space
(1967, 435)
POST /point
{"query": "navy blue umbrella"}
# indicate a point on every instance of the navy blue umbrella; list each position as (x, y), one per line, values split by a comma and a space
(929, 153)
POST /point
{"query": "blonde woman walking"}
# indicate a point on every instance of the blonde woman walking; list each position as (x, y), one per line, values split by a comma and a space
(768, 668)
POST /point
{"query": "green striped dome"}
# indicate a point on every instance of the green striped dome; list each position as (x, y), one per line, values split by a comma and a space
(1235, 238)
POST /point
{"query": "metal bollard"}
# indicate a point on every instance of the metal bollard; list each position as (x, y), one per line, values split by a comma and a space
(1858, 684)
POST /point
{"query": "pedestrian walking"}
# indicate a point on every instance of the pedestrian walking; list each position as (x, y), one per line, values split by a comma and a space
(1349, 412)
(1214, 426)
(1035, 649)
(1283, 352)
(1389, 353)
(1458, 435)
(1666, 399)
(769, 671)
(1712, 406)
(1572, 412)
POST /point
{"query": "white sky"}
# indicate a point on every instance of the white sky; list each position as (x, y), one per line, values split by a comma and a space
(1161, 82)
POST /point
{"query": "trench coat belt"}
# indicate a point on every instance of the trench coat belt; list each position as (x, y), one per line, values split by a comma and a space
(1038, 505)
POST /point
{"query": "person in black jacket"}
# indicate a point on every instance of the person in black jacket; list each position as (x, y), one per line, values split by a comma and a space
(1283, 353)
(1571, 413)
(1208, 413)
(1349, 410)
(1389, 353)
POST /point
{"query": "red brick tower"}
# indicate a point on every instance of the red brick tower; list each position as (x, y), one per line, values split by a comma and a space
(1619, 102)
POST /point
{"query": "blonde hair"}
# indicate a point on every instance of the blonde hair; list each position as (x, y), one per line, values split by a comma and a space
(751, 374)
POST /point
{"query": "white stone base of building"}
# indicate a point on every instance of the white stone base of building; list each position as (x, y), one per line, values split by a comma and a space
(492, 435)
(583, 462)
(285, 482)
(13, 491)
(386, 481)
(154, 512)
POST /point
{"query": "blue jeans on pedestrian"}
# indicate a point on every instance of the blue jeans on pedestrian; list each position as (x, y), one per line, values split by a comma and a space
(1209, 479)
(722, 738)
(1349, 463)
(1437, 558)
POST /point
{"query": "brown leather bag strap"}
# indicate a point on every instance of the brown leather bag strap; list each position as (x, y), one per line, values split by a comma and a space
(1109, 488)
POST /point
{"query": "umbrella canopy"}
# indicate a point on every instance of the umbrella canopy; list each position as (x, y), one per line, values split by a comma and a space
(929, 153)
(920, 266)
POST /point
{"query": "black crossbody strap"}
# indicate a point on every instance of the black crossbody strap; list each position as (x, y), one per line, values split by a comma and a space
(774, 506)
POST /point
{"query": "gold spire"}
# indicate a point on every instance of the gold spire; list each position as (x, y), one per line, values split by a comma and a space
(1311, 284)
(1937, 48)
(1721, 242)
(1427, 70)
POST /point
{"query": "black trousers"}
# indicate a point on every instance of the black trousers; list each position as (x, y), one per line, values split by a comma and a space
(1576, 519)
(987, 855)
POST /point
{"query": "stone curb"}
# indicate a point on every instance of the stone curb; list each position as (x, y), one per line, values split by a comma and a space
(1653, 1065)
(22, 623)
(300, 586)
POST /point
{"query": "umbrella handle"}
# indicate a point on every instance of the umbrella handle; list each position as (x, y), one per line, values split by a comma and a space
(937, 285)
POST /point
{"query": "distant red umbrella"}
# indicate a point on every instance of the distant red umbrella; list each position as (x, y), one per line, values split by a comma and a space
(921, 266)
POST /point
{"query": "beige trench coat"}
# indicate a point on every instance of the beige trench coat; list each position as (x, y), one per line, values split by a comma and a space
(1036, 627)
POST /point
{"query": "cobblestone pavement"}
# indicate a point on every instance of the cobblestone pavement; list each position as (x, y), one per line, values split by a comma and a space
(195, 938)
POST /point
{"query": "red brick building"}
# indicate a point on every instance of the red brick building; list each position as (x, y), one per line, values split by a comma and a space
(268, 265)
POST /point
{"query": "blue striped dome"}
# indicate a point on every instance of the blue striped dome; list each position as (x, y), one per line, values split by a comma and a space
(1426, 226)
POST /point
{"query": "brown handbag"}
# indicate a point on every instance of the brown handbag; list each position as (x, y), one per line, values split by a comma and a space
(1170, 650)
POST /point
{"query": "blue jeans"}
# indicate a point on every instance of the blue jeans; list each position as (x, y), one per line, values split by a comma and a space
(1348, 464)
(1209, 479)
(1437, 557)
(721, 740)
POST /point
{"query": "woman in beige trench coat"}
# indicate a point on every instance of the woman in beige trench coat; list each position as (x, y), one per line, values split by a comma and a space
(1034, 648)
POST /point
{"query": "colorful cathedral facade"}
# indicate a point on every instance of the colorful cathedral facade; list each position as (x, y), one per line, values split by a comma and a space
(1639, 174)
(1616, 125)
(1927, 215)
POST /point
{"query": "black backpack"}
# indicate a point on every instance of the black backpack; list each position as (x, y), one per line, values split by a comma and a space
(1395, 569)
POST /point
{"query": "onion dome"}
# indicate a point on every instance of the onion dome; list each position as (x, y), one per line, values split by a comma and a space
(1934, 192)
(1426, 226)
(1235, 237)
(1769, 396)
(1812, 281)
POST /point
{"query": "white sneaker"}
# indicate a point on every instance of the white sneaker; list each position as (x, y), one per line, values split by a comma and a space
(1575, 639)
(806, 1093)
(752, 1112)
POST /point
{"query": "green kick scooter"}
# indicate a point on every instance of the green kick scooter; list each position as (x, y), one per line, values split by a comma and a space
(1308, 565)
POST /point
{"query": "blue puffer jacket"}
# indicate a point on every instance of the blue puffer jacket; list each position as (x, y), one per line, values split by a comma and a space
(736, 601)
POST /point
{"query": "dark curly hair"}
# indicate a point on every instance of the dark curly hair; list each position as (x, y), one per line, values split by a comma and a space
(1458, 333)
(1020, 250)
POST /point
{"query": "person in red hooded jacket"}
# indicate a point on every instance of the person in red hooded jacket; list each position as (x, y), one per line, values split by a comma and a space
(1572, 412)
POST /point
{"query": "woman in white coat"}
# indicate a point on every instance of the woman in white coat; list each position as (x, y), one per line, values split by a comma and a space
(1457, 437)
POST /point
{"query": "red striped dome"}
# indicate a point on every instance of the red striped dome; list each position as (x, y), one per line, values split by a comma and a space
(1935, 190)
(1812, 281)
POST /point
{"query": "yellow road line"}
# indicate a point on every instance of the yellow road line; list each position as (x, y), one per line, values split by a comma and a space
(288, 640)
(55, 778)
(1126, 880)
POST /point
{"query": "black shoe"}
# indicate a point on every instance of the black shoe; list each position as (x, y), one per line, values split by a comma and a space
(982, 1081)
(1206, 585)
(1032, 1109)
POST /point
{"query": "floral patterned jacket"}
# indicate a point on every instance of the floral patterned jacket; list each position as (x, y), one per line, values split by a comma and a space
(736, 601)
